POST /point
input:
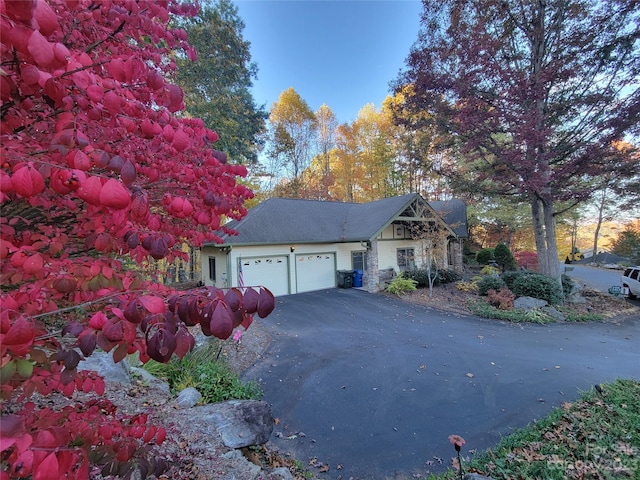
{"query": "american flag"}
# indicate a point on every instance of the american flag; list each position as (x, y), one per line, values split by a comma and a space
(240, 277)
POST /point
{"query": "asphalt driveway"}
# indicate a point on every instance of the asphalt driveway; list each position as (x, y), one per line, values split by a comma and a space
(373, 386)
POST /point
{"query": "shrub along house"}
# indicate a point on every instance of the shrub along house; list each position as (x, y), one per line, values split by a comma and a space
(293, 246)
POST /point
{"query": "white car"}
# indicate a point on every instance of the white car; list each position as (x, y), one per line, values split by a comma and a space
(631, 280)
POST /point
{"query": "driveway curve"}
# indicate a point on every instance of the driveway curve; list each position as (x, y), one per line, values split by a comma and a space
(371, 386)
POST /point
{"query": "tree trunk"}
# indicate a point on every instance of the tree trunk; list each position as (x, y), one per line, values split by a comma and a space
(553, 264)
(538, 233)
(601, 206)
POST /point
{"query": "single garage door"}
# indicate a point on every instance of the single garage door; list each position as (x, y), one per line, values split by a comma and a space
(315, 271)
(269, 272)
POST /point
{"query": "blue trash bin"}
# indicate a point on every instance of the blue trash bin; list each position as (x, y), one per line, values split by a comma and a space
(357, 278)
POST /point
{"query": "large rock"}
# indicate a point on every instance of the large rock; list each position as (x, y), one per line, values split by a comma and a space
(528, 303)
(241, 468)
(240, 423)
(188, 397)
(553, 313)
(476, 476)
(103, 363)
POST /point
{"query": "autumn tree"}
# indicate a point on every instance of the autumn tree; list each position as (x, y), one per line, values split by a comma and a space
(217, 86)
(617, 190)
(327, 124)
(419, 160)
(345, 165)
(293, 128)
(98, 172)
(532, 93)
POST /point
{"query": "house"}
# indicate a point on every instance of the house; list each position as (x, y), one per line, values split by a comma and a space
(293, 246)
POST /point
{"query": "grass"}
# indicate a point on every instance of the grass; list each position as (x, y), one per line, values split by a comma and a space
(484, 310)
(597, 437)
(203, 370)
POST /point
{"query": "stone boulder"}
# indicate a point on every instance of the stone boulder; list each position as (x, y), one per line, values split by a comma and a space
(189, 397)
(240, 423)
(553, 313)
(528, 303)
(102, 362)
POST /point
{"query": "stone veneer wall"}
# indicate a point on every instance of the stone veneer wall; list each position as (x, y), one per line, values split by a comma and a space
(373, 276)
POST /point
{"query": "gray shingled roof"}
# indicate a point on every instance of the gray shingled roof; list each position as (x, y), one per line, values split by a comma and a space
(283, 220)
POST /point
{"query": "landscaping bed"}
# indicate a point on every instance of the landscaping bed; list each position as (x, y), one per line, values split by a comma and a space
(598, 306)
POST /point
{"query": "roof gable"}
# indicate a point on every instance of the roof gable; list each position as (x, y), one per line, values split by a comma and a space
(282, 220)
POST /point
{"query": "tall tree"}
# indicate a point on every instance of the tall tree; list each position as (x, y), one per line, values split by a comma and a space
(346, 168)
(293, 128)
(375, 152)
(217, 85)
(327, 124)
(533, 91)
(98, 173)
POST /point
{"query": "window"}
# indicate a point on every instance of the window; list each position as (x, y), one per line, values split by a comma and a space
(406, 259)
(359, 261)
(212, 269)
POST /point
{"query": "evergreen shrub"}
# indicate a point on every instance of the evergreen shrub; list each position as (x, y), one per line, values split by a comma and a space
(490, 283)
(538, 286)
(485, 256)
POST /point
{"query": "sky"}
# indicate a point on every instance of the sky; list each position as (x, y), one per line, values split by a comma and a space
(339, 53)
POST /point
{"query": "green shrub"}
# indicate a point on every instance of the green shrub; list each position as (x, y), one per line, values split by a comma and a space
(448, 276)
(421, 276)
(400, 285)
(504, 257)
(511, 276)
(483, 309)
(485, 256)
(490, 283)
(489, 270)
(202, 370)
(538, 286)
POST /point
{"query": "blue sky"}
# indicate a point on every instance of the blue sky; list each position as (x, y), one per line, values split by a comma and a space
(341, 53)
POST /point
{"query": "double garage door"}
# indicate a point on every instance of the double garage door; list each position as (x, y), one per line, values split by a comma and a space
(313, 271)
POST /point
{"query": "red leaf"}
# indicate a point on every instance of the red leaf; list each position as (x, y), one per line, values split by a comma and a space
(46, 18)
(112, 330)
(116, 68)
(266, 302)
(149, 434)
(30, 74)
(250, 300)
(120, 353)
(184, 342)
(65, 284)
(162, 434)
(161, 345)
(140, 207)
(114, 195)
(181, 140)
(247, 321)
(47, 469)
(111, 102)
(19, 337)
(90, 189)
(33, 264)
(95, 93)
(21, 10)
(153, 304)
(87, 342)
(128, 173)
(27, 181)
(221, 324)
(40, 49)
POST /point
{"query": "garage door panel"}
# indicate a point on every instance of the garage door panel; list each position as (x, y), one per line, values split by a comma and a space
(269, 272)
(315, 271)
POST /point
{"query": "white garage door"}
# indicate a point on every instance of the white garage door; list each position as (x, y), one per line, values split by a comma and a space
(269, 272)
(315, 271)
